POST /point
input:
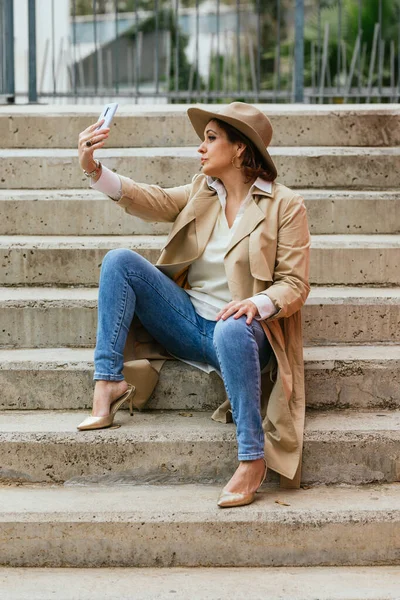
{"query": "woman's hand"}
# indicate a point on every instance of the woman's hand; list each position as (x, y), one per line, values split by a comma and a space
(241, 307)
(97, 139)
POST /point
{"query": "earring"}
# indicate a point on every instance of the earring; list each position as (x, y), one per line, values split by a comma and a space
(233, 164)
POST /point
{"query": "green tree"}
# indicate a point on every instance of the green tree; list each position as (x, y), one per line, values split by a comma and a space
(349, 30)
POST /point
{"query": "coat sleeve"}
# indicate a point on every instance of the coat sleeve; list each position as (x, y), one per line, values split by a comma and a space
(290, 286)
(152, 202)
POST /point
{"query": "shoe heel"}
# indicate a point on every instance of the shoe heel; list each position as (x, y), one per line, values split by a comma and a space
(133, 392)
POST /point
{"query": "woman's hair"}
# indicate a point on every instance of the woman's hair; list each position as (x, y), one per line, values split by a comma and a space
(253, 163)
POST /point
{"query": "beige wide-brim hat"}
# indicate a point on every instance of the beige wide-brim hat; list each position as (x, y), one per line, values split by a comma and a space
(246, 118)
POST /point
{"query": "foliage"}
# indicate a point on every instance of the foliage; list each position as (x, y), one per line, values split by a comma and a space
(347, 37)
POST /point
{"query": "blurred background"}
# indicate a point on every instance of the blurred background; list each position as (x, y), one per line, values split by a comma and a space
(185, 51)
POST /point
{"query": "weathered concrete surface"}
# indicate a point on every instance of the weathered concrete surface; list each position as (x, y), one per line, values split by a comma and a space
(340, 315)
(53, 317)
(63, 317)
(299, 167)
(57, 126)
(182, 526)
(355, 260)
(75, 260)
(71, 212)
(337, 377)
(44, 446)
(87, 212)
(208, 583)
(66, 260)
(338, 212)
(364, 377)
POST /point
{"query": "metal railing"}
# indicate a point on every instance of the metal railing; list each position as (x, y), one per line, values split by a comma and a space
(7, 84)
(218, 51)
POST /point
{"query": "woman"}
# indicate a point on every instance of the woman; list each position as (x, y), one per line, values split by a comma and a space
(227, 291)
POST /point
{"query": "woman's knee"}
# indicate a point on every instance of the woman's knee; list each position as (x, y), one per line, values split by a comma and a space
(119, 257)
(231, 331)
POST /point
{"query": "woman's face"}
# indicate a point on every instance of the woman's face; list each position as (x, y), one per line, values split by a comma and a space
(217, 151)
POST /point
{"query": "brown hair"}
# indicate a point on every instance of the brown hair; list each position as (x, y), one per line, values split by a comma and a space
(253, 163)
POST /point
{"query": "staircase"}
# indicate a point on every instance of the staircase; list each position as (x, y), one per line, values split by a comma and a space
(111, 498)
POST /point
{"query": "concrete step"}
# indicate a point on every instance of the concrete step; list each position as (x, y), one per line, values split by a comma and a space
(75, 260)
(183, 447)
(209, 583)
(339, 377)
(87, 212)
(55, 126)
(40, 317)
(147, 526)
(298, 167)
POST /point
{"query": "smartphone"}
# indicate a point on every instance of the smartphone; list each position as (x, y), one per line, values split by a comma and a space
(107, 113)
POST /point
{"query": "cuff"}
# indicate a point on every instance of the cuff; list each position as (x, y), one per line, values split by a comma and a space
(266, 308)
(108, 183)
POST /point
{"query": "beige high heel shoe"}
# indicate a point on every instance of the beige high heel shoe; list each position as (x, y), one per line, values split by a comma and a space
(227, 499)
(102, 422)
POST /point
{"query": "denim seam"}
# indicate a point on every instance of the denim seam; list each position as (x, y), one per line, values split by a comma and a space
(107, 377)
(258, 384)
(251, 456)
(224, 378)
(119, 324)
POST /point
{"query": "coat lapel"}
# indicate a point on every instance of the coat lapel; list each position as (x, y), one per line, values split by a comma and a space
(206, 209)
(252, 216)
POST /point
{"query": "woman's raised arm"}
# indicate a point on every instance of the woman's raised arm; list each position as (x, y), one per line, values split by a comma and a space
(147, 201)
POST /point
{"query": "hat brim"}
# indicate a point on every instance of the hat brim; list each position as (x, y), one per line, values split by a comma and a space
(200, 117)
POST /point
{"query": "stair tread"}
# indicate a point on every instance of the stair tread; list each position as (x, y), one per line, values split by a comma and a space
(370, 240)
(236, 583)
(196, 502)
(191, 152)
(161, 425)
(89, 194)
(210, 583)
(43, 357)
(94, 109)
(331, 294)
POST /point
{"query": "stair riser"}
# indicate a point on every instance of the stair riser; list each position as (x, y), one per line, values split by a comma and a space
(356, 385)
(89, 542)
(354, 171)
(29, 265)
(168, 129)
(58, 266)
(86, 457)
(73, 217)
(324, 324)
(57, 324)
(353, 216)
(100, 217)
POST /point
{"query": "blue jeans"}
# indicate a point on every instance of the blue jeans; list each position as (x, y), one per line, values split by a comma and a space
(129, 284)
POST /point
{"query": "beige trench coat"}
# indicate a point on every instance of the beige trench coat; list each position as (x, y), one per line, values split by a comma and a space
(268, 251)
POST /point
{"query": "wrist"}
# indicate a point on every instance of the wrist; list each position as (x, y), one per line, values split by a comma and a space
(95, 171)
(91, 167)
(97, 175)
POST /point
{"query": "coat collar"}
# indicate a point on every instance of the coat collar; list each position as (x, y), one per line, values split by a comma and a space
(260, 187)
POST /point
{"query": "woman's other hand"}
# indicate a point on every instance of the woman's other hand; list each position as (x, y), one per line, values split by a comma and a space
(242, 307)
(97, 140)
